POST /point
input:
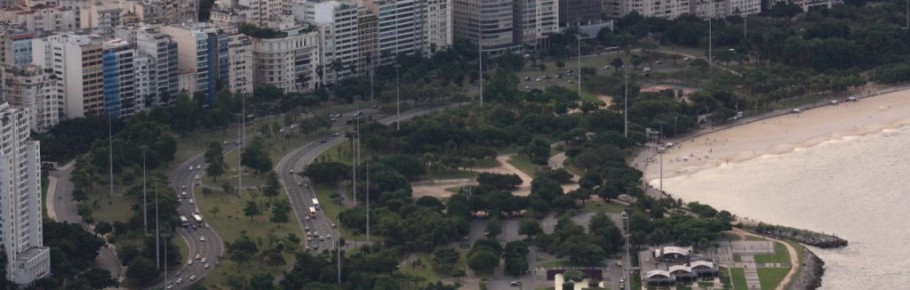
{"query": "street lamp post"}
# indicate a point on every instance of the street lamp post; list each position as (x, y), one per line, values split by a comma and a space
(145, 220)
(627, 259)
(480, 66)
(166, 236)
(110, 151)
(397, 98)
(157, 246)
(578, 37)
(625, 103)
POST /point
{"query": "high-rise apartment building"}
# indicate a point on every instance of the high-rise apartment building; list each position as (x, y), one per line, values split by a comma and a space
(162, 54)
(33, 89)
(411, 26)
(337, 22)
(240, 52)
(438, 30)
(535, 20)
(488, 22)
(119, 74)
(289, 62)
(194, 60)
(21, 233)
(368, 34)
(75, 61)
(17, 48)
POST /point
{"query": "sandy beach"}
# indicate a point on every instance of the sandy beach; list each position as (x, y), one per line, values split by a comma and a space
(783, 134)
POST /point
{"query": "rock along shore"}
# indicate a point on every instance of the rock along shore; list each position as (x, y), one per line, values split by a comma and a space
(824, 241)
(810, 274)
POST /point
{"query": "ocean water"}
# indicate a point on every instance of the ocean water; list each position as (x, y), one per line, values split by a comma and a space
(856, 187)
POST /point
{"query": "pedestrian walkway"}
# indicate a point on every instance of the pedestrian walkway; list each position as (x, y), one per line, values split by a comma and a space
(751, 271)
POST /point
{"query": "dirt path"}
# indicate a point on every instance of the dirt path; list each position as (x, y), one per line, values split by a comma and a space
(437, 187)
(794, 259)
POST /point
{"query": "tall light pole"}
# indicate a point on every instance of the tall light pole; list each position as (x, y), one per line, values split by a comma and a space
(355, 157)
(368, 206)
(157, 246)
(110, 152)
(240, 149)
(627, 260)
(145, 220)
(710, 37)
(166, 236)
(578, 38)
(625, 103)
(480, 62)
(397, 98)
(660, 141)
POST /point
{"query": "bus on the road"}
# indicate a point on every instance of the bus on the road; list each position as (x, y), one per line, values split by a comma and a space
(197, 218)
(184, 222)
(316, 203)
(312, 212)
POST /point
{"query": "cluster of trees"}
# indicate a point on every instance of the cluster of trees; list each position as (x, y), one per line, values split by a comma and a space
(656, 222)
(570, 240)
(73, 252)
(370, 268)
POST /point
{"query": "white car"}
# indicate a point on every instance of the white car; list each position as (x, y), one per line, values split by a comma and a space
(191, 168)
(192, 277)
(179, 281)
(203, 261)
(199, 167)
(188, 262)
(206, 266)
(202, 239)
(197, 176)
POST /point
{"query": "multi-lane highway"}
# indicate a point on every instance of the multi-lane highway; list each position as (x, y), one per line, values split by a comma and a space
(301, 194)
(202, 240)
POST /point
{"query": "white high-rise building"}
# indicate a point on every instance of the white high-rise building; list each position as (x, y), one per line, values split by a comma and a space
(21, 230)
(75, 60)
(337, 22)
(535, 20)
(119, 67)
(33, 89)
(162, 52)
(289, 62)
(438, 30)
(411, 26)
(240, 52)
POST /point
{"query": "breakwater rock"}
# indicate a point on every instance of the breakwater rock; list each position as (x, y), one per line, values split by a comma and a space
(810, 274)
(824, 241)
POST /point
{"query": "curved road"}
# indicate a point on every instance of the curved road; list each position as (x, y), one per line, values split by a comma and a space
(202, 240)
(301, 195)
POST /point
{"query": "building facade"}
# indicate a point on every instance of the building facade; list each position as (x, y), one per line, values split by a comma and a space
(33, 89)
(337, 23)
(240, 51)
(535, 20)
(194, 56)
(162, 54)
(75, 61)
(575, 12)
(21, 231)
(487, 22)
(289, 62)
(119, 74)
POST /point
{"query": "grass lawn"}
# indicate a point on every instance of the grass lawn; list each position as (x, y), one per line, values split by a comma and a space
(770, 277)
(522, 163)
(780, 255)
(600, 206)
(229, 222)
(737, 258)
(739, 279)
(340, 153)
(330, 209)
(116, 208)
(424, 269)
(705, 285)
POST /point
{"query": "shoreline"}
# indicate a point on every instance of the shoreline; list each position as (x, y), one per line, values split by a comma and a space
(776, 132)
(760, 135)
